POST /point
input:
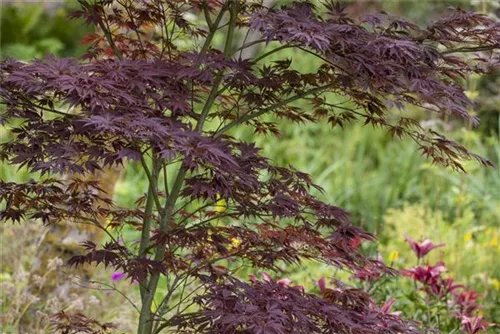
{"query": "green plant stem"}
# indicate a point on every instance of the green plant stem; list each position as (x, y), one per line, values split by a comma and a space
(247, 45)
(145, 318)
(213, 29)
(146, 224)
(152, 184)
(163, 307)
(206, 12)
(227, 50)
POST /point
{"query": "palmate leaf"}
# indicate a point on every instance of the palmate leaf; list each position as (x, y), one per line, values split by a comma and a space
(73, 323)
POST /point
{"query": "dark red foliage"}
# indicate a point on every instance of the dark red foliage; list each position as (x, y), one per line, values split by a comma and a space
(270, 307)
(77, 323)
(144, 93)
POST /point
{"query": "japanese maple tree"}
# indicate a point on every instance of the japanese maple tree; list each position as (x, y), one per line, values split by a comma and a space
(154, 88)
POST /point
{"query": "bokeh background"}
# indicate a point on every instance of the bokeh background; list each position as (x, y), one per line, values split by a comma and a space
(387, 186)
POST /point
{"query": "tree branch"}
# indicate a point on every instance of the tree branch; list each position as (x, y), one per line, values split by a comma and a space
(105, 28)
(472, 49)
(206, 12)
(249, 117)
(145, 319)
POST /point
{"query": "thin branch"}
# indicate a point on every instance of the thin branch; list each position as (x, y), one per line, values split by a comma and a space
(251, 116)
(152, 183)
(163, 307)
(145, 319)
(105, 28)
(112, 288)
(472, 49)
(127, 9)
(247, 45)
(329, 62)
(148, 211)
(42, 108)
(227, 50)
(206, 12)
(165, 178)
(203, 222)
(164, 25)
(214, 28)
(286, 46)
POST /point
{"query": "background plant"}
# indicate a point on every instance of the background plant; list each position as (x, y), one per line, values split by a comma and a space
(31, 31)
(433, 295)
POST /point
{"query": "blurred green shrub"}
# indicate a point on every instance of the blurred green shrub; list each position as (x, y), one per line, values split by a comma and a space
(30, 31)
(472, 245)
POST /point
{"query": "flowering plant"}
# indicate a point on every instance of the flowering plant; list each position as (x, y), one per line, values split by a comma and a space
(422, 248)
(433, 297)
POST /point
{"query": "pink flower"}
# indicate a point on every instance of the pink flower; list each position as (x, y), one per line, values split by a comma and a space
(367, 274)
(467, 301)
(425, 274)
(386, 307)
(421, 249)
(448, 286)
(322, 285)
(266, 277)
(371, 271)
(284, 282)
(473, 325)
(118, 276)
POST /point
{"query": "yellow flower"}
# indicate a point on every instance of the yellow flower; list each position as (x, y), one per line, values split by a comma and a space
(220, 205)
(471, 94)
(244, 18)
(108, 222)
(494, 242)
(393, 256)
(496, 284)
(236, 242)
(467, 236)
